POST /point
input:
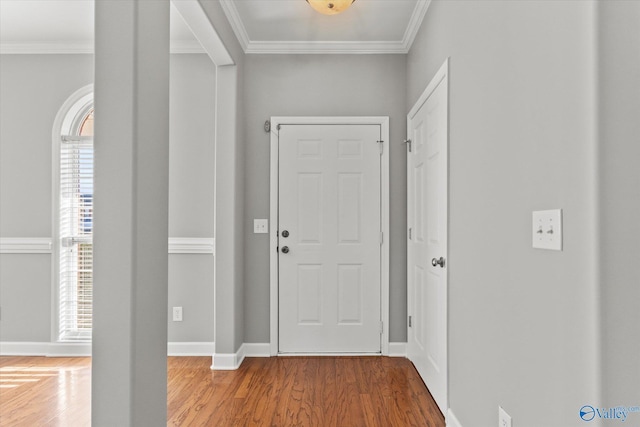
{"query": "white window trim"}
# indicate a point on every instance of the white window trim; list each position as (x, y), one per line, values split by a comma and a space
(67, 121)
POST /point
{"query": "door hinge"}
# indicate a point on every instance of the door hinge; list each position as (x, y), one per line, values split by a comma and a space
(381, 146)
(408, 142)
(409, 321)
(381, 328)
(410, 233)
(381, 238)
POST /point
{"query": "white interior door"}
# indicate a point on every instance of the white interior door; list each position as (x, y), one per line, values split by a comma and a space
(427, 165)
(329, 239)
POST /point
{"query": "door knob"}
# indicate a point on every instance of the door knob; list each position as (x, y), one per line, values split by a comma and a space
(438, 262)
(285, 249)
(285, 233)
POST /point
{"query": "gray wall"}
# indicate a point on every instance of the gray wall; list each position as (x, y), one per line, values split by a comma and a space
(619, 154)
(33, 88)
(522, 322)
(319, 85)
(191, 193)
(230, 201)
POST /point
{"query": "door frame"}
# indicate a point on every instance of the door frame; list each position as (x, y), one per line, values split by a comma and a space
(276, 122)
(440, 77)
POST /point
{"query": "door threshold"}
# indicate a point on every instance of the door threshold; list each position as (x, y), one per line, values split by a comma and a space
(330, 354)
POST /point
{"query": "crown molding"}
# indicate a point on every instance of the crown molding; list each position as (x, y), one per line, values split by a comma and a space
(233, 16)
(249, 46)
(325, 47)
(296, 47)
(198, 22)
(36, 48)
(86, 47)
(415, 22)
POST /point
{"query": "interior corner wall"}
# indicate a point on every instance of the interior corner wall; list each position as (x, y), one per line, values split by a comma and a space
(33, 88)
(522, 322)
(619, 166)
(240, 225)
(230, 289)
(319, 85)
(192, 193)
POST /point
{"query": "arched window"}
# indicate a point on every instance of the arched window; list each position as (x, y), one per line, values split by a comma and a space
(74, 217)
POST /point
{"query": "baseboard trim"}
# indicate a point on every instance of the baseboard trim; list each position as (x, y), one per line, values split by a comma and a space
(8, 348)
(74, 349)
(451, 420)
(232, 361)
(397, 349)
(228, 361)
(46, 349)
(69, 349)
(257, 349)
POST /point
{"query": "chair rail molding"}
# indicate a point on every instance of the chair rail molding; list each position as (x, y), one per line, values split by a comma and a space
(44, 245)
(192, 245)
(25, 245)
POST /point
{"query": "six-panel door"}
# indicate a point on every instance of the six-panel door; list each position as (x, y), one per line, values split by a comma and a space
(329, 207)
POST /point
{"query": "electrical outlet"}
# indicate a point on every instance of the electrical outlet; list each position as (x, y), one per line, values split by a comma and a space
(504, 419)
(177, 314)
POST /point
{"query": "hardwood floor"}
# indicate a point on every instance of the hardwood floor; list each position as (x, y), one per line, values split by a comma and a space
(277, 391)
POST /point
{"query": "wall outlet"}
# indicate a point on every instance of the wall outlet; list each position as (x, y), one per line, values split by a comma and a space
(504, 419)
(260, 226)
(177, 314)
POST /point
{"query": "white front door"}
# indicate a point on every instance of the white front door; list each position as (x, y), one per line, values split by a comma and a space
(329, 239)
(427, 243)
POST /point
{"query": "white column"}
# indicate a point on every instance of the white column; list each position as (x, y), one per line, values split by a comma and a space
(129, 368)
(228, 222)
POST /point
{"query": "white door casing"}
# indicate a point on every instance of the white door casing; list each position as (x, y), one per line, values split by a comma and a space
(427, 187)
(330, 182)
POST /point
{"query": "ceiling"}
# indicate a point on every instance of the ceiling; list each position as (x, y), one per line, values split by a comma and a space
(66, 26)
(261, 26)
(292, 26)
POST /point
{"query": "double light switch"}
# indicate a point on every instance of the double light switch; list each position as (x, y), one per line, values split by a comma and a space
(547, 229)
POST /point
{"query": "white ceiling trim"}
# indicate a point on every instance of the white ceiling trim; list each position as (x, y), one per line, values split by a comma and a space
(284, 47)
(326, 48)
(200, 25)
(415, 22)
(47, 48)
(230, 10)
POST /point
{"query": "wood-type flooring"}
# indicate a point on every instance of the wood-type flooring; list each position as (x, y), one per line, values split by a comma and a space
(277, 391)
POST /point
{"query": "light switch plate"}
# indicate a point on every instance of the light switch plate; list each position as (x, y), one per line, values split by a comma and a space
(260, 226)
(504, 419)
(547, 229)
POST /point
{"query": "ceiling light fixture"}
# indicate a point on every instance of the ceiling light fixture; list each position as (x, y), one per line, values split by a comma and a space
(330, 7)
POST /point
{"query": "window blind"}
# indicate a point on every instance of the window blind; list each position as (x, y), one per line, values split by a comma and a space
(76, 238)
